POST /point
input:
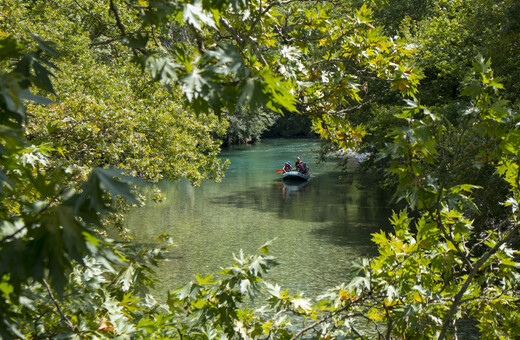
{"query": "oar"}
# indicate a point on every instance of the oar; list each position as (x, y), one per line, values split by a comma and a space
(277, 172)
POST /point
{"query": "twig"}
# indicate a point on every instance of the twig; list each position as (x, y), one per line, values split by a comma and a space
(13, 235)
(274, 318)
(352, 108)
(153, 37)
(232, 31)
(389, 323)
(103, 42)
(319, 322)
(478, 244)
(262, 13)
(357, 333)
(119, 24)
(63, 316)
(37, 320)
(89, 13)
(30, 223)
(198, 37)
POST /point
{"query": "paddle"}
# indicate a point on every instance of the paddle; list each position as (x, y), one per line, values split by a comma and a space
(277, 172)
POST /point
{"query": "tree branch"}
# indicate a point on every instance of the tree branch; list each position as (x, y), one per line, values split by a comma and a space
(319, 322)
(241, 40)
(458, 298)
(63, 316)
(119, 24)
(89, 13)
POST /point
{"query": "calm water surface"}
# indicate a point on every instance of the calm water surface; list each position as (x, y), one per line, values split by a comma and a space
(318, 228)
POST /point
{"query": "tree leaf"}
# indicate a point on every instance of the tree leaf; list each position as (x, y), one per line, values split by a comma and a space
(45, 46)
(9, 48)
(195, 15)
(5, 182)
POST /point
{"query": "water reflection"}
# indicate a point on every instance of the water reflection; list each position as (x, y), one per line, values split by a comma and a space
(322, 199)
(294, 188)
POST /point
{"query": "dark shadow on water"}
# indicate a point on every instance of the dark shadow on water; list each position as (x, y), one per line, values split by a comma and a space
(348, 211)
(324, 198)
(351, 235)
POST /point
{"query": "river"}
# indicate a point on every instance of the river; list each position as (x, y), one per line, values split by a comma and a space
(318, 229)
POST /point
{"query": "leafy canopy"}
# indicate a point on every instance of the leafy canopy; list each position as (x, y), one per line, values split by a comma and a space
(56, 268)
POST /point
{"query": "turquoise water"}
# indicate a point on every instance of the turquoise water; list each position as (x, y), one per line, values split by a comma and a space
(318, 228)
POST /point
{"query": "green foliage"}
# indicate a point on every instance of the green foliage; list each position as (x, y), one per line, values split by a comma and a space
(101, 301)
(214, 308)
(245, 127)
(107, 114)
(457, 262)
(450, 33)
(46, 224)
(291, 125)
(340, 79)
(53, 211)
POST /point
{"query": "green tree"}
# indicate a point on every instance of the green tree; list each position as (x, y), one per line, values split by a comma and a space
(106, 112)
(247, 127)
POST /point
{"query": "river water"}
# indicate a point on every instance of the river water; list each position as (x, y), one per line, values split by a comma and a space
(318, 229)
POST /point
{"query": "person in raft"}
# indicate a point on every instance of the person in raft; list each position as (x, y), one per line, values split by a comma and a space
(298, 164)
(287, 167)
(305, 168)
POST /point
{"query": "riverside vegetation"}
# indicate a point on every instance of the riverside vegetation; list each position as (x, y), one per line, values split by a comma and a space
(148, 87)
